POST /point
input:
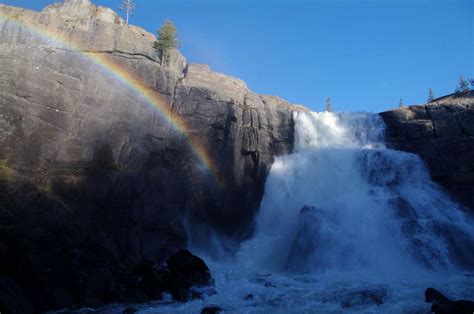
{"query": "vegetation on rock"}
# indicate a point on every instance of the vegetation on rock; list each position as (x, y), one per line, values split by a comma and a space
(167, 39)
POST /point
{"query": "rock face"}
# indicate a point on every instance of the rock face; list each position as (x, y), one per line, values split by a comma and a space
(442, 134)
(93, 159)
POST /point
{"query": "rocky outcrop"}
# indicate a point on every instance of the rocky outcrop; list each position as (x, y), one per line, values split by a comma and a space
(442, 134)
(101, 140)
(444, 305)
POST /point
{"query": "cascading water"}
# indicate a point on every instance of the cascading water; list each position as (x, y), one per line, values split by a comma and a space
(373, 210)
(345, 225)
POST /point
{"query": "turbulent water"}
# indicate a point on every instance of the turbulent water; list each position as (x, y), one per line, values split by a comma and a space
(345, 225)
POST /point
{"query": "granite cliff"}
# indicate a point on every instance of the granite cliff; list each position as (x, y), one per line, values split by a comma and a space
(442, 134)
(95, 177)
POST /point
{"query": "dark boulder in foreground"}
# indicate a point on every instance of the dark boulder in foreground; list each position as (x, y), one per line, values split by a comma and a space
(444, 305)
(185, 272)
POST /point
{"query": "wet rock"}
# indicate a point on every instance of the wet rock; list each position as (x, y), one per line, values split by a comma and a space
(375, 296)
(185, 274)
(444, 305)
(211, 310)
(442, 134)
(309, 237)
(129, 310)
(357, 297)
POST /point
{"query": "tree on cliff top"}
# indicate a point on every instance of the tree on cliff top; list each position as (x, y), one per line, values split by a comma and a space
(463, 86)
(430, 95)
(329, 105)
(167, 39)
(128, 6)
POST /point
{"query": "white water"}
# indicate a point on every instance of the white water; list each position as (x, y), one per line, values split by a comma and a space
(378, 224)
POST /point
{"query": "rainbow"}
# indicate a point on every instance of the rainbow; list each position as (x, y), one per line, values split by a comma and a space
(134, 83)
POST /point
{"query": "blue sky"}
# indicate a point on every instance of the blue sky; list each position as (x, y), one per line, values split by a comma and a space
(364, 54)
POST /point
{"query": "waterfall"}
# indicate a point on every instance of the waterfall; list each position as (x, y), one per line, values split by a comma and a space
(345, 225)
(369, 209)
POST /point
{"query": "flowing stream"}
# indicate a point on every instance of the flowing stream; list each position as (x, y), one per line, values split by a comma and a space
(345, 225)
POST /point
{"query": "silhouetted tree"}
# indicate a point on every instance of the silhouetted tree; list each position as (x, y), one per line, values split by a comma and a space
(463, 86)
(167, 39)
(128, 6)
(430, 95)
(329, 105)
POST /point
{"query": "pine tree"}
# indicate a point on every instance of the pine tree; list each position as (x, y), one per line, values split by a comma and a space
(329, 105)
(463, 86)
(167, 39)
(430, 95)
(128, 6)
(400, 103)
(471, 81)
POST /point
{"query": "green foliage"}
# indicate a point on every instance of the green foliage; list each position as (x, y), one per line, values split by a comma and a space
(329, 105)
(167, 39)
(463, 86)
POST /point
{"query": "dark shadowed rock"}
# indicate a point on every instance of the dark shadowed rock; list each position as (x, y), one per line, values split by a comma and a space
(211, 310)
(12, 298)
(442, 134)
(308, 239)
(444, 305)
(129, 310)
(186, 272)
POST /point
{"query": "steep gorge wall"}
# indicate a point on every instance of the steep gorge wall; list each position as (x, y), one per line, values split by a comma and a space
(92, 177)
(442, 134)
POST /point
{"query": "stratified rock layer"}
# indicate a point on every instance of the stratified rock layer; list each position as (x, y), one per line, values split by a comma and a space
(442, 133)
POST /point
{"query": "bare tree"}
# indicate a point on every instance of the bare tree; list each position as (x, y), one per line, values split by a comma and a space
(127, 6)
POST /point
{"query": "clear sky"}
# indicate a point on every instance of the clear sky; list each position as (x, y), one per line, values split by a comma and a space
(364, 54)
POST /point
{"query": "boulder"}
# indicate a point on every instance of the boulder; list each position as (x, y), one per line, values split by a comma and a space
(304, 255)
(444, 305)
(185, 274)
